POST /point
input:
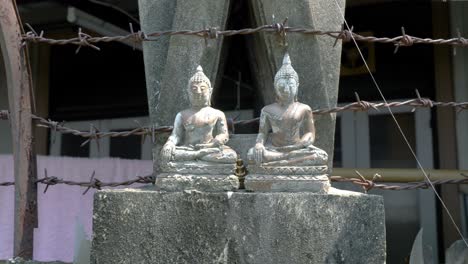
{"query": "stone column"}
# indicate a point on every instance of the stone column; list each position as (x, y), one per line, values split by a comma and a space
(315, 58)
(171, 60)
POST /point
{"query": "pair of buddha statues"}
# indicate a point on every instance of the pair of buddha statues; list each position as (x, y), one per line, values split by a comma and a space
(284, 145)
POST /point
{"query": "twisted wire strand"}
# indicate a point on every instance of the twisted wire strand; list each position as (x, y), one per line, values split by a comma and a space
(151, 131)
(367, 185)
(213, 33)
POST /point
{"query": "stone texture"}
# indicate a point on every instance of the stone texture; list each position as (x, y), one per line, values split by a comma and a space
(457, 253)
(287, 179)
(315, 58)
(137, 226)
(199, 167)
(208, 183)
(171, 60)
(288, 183)
(288, 170)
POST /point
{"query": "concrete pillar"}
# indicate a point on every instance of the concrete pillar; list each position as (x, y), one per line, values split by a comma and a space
(315, 58)
(171, 60)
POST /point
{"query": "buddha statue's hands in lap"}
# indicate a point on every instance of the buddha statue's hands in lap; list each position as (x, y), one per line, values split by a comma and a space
(287, 132)
(200, 132)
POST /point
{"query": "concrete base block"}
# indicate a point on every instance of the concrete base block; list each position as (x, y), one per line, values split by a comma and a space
(138, 226)
(290, 183)
(207, 183)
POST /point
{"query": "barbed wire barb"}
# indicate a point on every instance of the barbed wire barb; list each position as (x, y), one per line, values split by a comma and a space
(93, 183)
(345, 35)
(48, 181)
(361, 181)
(152, 130)
(281, 31)
(405, 40)
(425, 102)
(83, 41)
(365, 106)
(214, 32)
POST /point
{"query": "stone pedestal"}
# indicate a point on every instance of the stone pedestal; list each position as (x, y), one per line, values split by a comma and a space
(208, 183)
(197, 175)
(287, 179)
(138, 226)
(281, 183)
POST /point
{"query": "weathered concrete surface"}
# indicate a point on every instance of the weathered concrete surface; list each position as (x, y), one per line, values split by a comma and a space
(209, 183)
(287, 183)
(137, 226)
(457, 253)
(171, 61)
(315, 58)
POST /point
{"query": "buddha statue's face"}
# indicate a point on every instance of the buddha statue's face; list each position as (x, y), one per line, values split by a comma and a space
(199, 94)
(286, 90)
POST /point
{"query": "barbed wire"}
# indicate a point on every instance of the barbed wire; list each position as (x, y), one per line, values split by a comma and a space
(359, 105)
(213, 33)
(366, 184)
(93, 183)
(7, 183)
(151, 131)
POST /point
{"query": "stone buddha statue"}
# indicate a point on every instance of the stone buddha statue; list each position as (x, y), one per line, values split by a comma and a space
(284, 145)
(287, 132)
(196, 146)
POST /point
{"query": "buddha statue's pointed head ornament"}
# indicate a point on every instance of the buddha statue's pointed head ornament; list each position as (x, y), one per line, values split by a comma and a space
(199, 89)
(286, 82)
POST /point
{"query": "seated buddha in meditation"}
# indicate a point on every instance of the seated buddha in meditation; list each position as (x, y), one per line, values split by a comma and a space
(200, 132)
(287, 132)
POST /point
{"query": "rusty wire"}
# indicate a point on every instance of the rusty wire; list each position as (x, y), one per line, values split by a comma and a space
(415, 103)
(95, 134)
(151, 131)
(93, 183)
(214, 33)
(7, 183)
(367, 185)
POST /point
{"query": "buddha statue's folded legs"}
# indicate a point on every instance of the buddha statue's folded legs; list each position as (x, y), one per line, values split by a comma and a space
(284, 157)
(195, 156)
(307, 156)
(223, 154)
